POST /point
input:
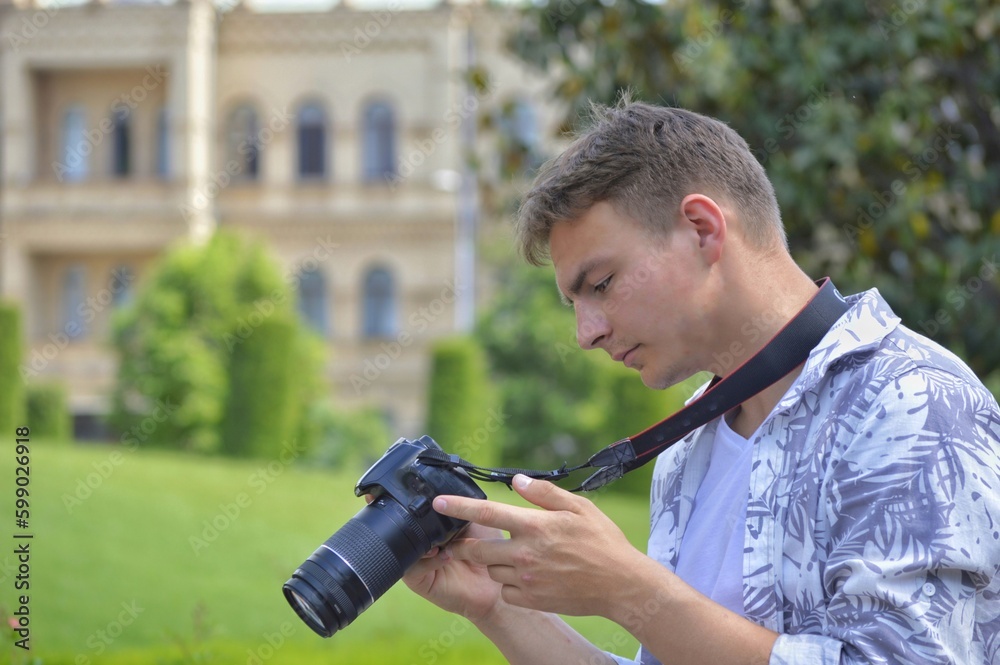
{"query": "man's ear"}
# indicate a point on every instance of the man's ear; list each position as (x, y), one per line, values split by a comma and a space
(705, 218)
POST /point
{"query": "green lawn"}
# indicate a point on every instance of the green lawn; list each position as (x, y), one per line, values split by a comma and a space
(116, 576)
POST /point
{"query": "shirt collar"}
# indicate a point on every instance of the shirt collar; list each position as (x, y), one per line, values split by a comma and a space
(861, 329)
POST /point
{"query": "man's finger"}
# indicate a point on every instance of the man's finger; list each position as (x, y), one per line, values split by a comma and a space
(488, 513)
(424, 565)
(484, 551)
(505, 575)
(546, 495)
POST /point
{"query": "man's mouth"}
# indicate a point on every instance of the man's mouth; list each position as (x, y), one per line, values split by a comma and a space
(625, 357)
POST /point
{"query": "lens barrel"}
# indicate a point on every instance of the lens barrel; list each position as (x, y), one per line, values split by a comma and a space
(355, 566)
(370, 553)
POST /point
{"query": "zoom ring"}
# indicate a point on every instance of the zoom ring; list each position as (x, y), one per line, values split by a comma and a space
(330, 586)
(368, 555)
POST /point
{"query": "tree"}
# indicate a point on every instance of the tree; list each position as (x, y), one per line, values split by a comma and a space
(459, 413)
(201, 305)
(551, 391)
(346, 440)
(878, 123)
(261, 410)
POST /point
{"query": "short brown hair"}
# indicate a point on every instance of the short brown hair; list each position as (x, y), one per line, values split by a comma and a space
(645, 159)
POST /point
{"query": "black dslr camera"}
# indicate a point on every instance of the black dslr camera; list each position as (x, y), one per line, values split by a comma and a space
(370, 553)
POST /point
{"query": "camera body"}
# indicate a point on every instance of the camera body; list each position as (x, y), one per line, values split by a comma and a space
(412, 484)
(370, 553)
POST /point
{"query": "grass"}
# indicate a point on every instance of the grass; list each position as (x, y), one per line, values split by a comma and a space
(127, 567)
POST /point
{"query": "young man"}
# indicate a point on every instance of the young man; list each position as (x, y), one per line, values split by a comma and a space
(849, 513)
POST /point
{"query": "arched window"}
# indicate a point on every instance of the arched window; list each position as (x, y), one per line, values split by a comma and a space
(120, 283)
(378, 137)
(379, 314)
(75, 149)
(311, 138)
(243, 143)
(121, 142)
(518, 126)
(312, 300)
(163, 144)
(74, 302)
(524, 125)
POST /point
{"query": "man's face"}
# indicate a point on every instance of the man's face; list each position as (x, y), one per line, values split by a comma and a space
(635, 294)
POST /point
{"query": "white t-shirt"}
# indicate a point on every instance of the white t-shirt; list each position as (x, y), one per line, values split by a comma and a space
(710, 558)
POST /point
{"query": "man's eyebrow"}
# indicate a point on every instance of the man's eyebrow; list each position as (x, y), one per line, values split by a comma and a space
(581, 276)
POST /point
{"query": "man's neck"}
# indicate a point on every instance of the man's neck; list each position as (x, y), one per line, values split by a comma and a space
(752, 413)
(772, 298)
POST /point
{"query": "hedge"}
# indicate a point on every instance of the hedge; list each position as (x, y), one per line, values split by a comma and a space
(48, 413)
(11, 382)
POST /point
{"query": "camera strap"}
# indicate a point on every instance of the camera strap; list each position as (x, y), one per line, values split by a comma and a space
(786, 351)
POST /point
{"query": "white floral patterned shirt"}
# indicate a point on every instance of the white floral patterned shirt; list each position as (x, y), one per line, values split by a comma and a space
(873, 514)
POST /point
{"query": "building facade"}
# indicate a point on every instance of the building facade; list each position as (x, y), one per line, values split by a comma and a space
(339, 137)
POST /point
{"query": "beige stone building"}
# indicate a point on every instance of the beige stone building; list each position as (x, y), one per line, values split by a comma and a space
(339, 136)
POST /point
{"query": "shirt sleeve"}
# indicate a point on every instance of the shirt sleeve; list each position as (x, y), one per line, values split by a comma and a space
(815, 649)
(912, 505)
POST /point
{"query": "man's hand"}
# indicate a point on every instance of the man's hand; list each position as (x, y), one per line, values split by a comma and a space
(458, 586)
(568, 558)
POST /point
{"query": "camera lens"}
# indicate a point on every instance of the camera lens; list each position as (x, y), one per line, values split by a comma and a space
(304, 609)
(355, 566)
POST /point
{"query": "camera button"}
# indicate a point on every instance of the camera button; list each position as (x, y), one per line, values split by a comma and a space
(419, 506)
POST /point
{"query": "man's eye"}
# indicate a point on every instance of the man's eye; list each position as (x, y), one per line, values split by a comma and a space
(603, 286)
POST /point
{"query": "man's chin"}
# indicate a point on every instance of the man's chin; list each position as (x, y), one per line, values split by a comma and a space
(652, 380)
(657, 381)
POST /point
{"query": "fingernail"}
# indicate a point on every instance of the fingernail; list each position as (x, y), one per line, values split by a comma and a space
(440, 504)
(521, 481)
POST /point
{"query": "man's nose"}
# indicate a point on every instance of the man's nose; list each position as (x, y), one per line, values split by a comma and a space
(591, 325)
